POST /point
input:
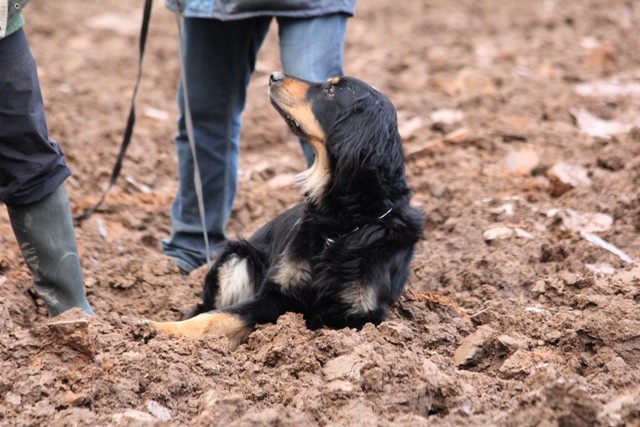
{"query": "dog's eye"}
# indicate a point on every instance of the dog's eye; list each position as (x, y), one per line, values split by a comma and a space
(330, 90)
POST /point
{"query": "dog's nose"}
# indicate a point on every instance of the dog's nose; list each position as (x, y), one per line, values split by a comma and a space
(275, 77)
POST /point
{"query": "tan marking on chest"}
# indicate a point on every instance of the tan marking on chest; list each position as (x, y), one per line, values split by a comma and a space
(362, 299)
(292, 275)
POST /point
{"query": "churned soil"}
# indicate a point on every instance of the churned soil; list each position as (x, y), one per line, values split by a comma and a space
(520, 122)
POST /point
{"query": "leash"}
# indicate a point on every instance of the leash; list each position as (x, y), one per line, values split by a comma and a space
(126, 140)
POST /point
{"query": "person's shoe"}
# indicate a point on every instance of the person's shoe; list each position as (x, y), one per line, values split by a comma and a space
(216, 251)
(45, 233)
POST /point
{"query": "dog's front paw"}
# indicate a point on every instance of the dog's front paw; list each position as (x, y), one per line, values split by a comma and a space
(143, 330)
(213, 323)
(188, 328)
(160, 327)
(149, 329)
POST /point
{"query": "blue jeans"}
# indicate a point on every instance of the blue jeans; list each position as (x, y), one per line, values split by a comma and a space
(220, 57)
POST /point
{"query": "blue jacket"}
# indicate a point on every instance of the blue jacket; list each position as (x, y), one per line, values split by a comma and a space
(227, 10)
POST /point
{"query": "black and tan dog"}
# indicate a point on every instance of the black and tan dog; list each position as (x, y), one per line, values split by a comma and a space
(342, 256)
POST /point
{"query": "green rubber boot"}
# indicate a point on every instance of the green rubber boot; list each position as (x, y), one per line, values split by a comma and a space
(45, 233)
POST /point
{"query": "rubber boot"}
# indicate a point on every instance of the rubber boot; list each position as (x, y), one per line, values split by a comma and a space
(45, 233)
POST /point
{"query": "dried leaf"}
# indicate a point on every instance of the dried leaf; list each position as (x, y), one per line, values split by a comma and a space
(609, 88)
(601, 268)
(590, 222)
(447, 116)
(523, 233)
(157, 114)
(497, 233)
(564, 177)
(158, 411)
(522, 163)
(408, 128)
(458, 136)
(415, 150)
(597, 127)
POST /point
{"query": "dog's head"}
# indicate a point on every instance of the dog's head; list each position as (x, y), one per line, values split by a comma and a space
(352, 128)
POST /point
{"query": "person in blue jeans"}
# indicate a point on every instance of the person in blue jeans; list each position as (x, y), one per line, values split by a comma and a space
(32, 174)
(221, 40)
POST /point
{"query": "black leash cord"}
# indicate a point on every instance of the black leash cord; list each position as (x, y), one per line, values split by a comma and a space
(126, 139)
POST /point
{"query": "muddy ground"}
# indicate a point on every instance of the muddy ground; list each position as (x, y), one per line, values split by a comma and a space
(520, 127)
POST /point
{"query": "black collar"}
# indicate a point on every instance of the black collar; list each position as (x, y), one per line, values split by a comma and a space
(330, 241)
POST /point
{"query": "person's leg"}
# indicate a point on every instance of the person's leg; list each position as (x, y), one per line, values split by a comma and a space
(219, 57)
(312, 49)
(32, 171)
(31, 165)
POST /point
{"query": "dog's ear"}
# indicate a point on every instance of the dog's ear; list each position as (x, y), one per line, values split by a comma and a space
(368, 128)
(365, 145)
(360, 103)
